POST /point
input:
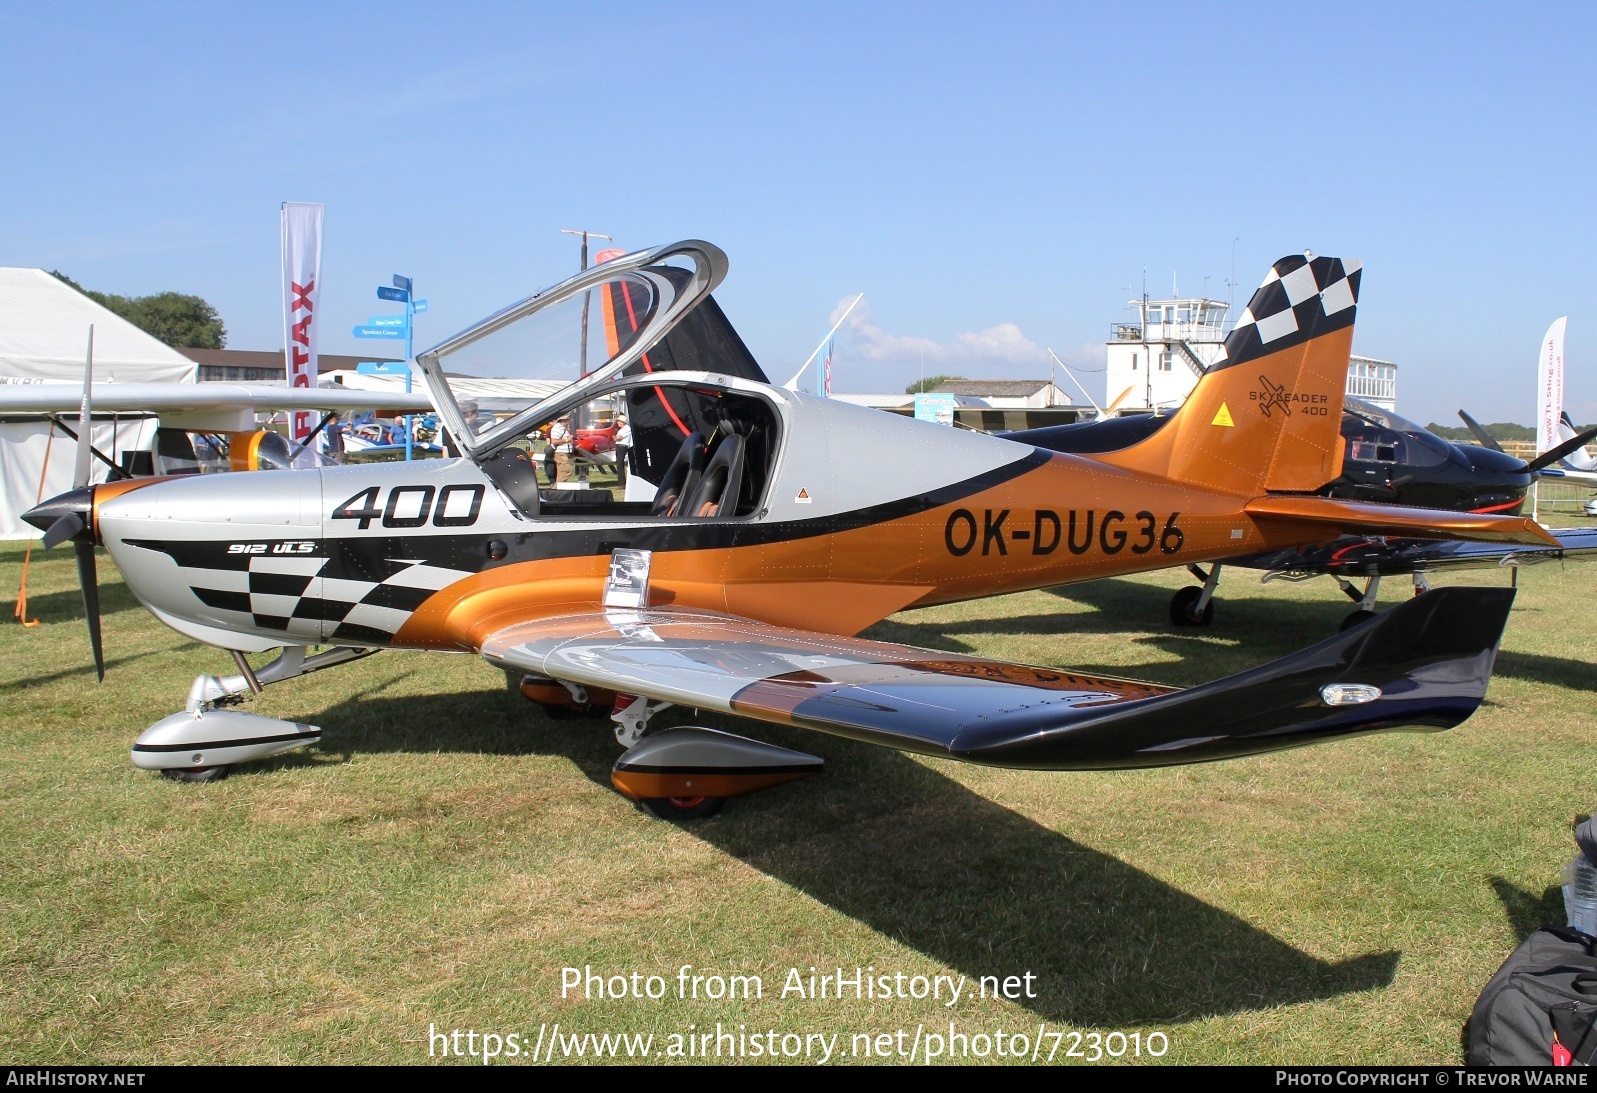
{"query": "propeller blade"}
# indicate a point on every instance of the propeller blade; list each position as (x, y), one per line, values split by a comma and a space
(1487, 439)
(1553, 455)
(1115, 405)
(80, 473)
(62, 530)
(89, 582)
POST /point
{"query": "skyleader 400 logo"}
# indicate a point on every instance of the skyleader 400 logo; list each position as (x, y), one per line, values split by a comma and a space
(1079, 531)
(1272, 395)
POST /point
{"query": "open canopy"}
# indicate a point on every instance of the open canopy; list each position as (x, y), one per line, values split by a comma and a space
(580, 332)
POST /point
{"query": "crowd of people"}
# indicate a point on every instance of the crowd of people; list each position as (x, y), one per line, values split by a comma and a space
(555, 445)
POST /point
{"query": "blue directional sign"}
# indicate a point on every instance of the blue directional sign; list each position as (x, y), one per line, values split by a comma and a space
(386, 293)
(382, 368)
(402, 282)
(380, 332)
(399, 322)
(419, 306)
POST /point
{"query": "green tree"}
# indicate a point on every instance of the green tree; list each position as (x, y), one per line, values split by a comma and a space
(930, 383)
(179, 320)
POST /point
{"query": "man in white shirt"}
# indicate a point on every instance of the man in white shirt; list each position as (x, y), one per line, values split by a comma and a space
(562, 442)
(623, 450)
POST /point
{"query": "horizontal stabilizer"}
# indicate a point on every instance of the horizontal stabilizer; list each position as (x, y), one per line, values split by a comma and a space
(1376, 556)
(1425, 664)
(1368, 518)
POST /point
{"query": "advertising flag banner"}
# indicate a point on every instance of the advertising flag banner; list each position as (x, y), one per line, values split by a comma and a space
(1550, 386)
(302, 275)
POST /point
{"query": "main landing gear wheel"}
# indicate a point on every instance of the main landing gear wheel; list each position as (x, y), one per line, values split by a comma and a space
(1355, 618)
(681, 808)
(195, 774)
(1182, 603)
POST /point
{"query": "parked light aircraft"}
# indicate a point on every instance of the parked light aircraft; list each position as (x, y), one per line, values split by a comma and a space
(1386, 459)
(736, 583)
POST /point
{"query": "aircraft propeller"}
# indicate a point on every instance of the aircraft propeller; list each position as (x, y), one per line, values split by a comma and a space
(67, 517)
(1546, 459)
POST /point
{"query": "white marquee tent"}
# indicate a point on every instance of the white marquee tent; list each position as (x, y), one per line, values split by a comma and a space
(44, 332)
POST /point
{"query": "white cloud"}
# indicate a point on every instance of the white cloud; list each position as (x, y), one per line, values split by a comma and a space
(1003, 345)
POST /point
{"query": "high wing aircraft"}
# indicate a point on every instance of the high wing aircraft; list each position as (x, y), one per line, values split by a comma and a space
(762, 546)
(1386, 459)
(226, 410)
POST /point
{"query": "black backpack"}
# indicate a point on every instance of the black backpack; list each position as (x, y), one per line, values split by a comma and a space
(1547, 987)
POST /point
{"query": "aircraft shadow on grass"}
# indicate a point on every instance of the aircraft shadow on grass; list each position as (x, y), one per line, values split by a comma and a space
(924, 861)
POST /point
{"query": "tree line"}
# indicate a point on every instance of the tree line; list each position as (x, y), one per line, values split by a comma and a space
(179, 320)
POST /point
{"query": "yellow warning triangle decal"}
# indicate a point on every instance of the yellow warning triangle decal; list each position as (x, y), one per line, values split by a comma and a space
(1223, 417)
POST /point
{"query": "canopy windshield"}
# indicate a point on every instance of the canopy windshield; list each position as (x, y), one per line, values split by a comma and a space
(580, 332)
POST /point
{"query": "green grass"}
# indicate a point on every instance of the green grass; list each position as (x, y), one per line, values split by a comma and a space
(446, 851)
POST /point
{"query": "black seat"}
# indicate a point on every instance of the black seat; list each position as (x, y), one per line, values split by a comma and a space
(513, 471)
(681, 477)
(722, 482)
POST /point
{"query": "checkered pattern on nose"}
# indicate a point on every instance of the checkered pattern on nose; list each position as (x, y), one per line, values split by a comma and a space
(273, 594)
(1302, 298)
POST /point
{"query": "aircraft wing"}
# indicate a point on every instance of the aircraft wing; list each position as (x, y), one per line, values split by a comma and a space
(1357, 556)
(165, 398)
(1424, 664)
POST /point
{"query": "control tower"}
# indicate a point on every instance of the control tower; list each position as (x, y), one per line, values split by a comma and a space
(1155, 359)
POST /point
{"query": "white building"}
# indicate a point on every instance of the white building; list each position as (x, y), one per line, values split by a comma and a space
(1008, 394)
(1155, 360)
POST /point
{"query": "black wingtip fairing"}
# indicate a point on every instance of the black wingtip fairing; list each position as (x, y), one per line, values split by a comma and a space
(1423, 665)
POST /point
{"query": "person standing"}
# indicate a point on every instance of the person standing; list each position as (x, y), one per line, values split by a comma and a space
(561, 443)
(623, 449)
(333, 438)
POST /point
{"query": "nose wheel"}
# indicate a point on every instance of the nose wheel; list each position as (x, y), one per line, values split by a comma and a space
(195, 774)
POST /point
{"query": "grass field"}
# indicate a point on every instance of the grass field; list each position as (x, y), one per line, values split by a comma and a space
(447, 851)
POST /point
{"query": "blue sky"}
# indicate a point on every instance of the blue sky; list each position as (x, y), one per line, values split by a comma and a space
(994, 177)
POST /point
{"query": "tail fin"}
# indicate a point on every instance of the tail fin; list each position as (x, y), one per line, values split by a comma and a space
(1268, 414)
(1579, 459)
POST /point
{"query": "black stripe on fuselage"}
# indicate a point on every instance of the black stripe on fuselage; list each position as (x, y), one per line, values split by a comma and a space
(368, 557)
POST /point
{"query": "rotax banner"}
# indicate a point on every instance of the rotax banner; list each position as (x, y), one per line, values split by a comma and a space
(302, 274)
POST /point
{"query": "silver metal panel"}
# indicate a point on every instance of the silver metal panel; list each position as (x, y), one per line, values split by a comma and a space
(255, 507)
(868, 457)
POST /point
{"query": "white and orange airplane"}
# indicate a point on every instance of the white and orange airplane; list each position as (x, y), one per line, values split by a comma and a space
(763, 529)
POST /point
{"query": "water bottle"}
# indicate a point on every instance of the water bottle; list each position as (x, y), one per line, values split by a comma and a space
(1580, 882)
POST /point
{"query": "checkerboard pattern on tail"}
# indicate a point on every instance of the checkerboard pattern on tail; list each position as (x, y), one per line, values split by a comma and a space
(1301, 298)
